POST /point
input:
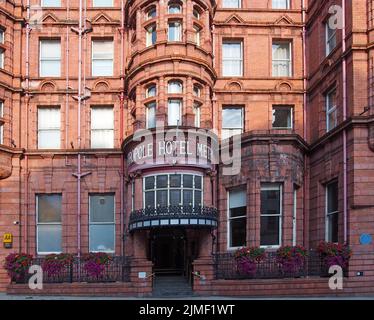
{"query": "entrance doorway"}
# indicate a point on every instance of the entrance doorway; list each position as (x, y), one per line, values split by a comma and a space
(168, 251)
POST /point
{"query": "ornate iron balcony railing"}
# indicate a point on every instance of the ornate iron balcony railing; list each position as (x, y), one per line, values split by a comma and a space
(117, 269)
(228, 268)
(194, 216)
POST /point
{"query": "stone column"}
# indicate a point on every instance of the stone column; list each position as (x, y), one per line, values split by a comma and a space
(141, 268)
(138, 192)
(188, 119)
(139, 41)
(188, 25)
(203, 266)
(206, 41)
(162, 23)
(140, 108)
(162, 102)
(215, 112)
(206, 112)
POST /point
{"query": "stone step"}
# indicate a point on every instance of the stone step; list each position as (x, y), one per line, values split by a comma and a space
(171, 286)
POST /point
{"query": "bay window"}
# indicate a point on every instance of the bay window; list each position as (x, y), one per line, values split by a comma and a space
(197, 114)
(232, 121)
(151, 115)
(175, 31)
(174, 8)
(175, 86)
(196, 13)
(237, 218)
(48, 228)
(102, 223)
(151, 35)
(332, 212)
(197, 31)
(102, 127)
(271, 215)
(174, 112)
(150, 91)
(151, 13)
(165, 190)
(196, 91)
(232, 59)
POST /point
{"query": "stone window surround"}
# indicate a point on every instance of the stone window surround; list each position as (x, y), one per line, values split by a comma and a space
(189, 99)
(162, 19)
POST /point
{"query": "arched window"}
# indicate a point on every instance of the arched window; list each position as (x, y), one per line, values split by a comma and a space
(174, 8)
(196, 13)
(151, 35)
(151, 91)
(196, 91)
(175, 86)
(151, 13)
(174, 31)
(197, 113)
(197, 31)
(151, 115)
(173, 189)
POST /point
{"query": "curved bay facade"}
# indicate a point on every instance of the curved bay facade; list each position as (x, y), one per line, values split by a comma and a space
(121, 123)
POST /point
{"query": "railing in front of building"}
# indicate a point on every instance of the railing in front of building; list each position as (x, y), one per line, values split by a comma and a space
(182, 215)
(115, 270)
(227, 267)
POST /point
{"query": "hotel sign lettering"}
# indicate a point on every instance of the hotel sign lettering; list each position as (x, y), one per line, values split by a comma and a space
(180, 150)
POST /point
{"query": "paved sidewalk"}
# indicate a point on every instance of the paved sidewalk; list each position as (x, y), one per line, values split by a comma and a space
(4, 296)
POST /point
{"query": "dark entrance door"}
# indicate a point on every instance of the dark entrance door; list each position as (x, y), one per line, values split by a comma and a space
(168, 251)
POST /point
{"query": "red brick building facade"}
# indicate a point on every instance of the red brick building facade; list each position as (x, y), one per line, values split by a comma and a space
(293, 77)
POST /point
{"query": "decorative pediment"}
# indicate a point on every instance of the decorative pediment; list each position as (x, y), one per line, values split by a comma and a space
(234, 18)
(284, 20)
(102, 18)
(49, 18)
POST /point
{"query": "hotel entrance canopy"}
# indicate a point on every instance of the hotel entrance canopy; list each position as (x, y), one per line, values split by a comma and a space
(173, 216)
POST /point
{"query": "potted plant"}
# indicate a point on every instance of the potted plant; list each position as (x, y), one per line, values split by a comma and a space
(94, 263)
(291, 259)
(55, 264)
(333, 254)
(17, 266)
(247, 260)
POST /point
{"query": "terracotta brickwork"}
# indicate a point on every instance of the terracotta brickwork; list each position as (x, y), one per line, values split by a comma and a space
(303, 158)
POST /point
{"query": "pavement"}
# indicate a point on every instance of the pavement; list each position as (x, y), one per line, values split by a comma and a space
(4, 296)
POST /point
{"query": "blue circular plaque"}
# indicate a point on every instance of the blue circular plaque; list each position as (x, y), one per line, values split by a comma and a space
(365, 238)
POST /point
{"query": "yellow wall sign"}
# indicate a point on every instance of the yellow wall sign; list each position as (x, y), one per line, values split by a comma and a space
(8, 240)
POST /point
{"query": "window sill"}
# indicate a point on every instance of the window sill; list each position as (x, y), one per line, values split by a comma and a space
(231, 249)
(274, 247)
(282, 128)
(47, 253)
